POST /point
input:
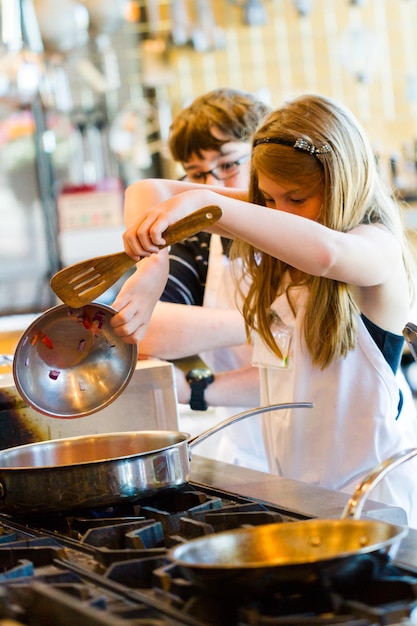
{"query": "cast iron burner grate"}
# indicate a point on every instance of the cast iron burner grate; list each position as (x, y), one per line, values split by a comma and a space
(110, 566)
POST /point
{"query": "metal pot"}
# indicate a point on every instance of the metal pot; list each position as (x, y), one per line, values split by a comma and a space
(253, 560)
(101, 470)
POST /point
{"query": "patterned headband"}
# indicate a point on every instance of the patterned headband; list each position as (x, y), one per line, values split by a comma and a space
(299, 144)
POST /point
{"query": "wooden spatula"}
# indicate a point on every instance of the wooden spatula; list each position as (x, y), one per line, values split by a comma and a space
(80, 284)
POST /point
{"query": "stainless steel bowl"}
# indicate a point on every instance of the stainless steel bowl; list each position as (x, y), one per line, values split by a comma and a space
(68, 363)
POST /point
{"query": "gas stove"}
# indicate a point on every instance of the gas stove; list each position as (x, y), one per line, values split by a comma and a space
(110, 566)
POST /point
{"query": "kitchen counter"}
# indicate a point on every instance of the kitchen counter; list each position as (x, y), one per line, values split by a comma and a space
(301, 498)
(148, 403)
(306, 500)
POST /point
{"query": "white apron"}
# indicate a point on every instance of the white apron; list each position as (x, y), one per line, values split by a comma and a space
(353, 425)
(241, 443)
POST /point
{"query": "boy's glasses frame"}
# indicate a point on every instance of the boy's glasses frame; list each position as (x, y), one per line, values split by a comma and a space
(221, 172)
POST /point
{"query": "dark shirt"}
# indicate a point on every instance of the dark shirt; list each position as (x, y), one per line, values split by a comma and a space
(390, 345)
(188, 263)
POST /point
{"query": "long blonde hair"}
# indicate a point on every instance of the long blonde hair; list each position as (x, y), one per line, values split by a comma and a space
(353, 192)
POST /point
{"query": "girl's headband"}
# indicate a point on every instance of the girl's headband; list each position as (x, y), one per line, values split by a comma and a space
(299, 144)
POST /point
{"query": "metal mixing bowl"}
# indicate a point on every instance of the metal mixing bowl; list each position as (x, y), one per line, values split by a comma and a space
(69, 363)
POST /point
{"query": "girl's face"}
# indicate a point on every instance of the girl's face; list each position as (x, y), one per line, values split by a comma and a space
(291, 198)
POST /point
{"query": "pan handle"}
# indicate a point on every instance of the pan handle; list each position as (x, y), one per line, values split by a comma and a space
(410, 336)
(353, 508)
(3, 493)
(240, 416)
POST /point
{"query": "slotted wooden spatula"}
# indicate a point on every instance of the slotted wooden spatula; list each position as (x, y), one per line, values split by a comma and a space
(80, 284)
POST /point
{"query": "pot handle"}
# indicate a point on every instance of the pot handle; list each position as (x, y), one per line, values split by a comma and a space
(240, 416)
(353, 508)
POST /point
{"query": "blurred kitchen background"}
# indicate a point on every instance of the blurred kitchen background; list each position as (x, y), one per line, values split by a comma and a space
(88, 89)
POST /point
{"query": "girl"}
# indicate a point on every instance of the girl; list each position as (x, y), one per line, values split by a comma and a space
(322, 244)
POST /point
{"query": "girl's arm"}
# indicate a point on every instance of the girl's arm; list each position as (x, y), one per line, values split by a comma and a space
(147, 193)
(368, 258)
(362, 257)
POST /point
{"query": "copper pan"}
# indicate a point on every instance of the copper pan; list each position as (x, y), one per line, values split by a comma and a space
(255, 560)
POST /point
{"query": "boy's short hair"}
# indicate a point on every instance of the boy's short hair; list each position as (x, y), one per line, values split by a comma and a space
(236, 114)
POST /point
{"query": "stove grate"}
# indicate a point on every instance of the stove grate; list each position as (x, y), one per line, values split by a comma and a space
(110, 567)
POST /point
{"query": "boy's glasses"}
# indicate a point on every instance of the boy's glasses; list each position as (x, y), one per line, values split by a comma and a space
(221, 172)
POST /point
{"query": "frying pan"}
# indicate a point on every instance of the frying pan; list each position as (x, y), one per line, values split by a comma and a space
(255, 560)
(101, 470)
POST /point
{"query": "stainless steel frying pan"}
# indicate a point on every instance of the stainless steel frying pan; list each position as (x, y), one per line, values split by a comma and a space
(101, 470)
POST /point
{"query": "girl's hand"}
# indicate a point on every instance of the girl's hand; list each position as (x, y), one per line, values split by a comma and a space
(144, 236)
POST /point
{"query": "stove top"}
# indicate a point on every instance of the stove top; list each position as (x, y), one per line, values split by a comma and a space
(110, 566)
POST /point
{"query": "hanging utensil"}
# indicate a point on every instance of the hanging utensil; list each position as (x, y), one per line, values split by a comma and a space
(206, 34)
(181, 23)
(79, 284)
(254, 13)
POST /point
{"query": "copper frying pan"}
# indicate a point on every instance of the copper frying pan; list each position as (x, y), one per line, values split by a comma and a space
(257, 560)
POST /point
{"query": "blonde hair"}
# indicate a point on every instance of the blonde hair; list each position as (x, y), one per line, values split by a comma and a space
(353, 192)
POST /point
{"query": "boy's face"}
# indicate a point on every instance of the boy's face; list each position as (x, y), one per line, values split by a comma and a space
(227, 167)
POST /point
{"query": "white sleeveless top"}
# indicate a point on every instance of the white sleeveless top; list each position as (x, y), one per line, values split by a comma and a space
(354, 424)
(241, 443)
